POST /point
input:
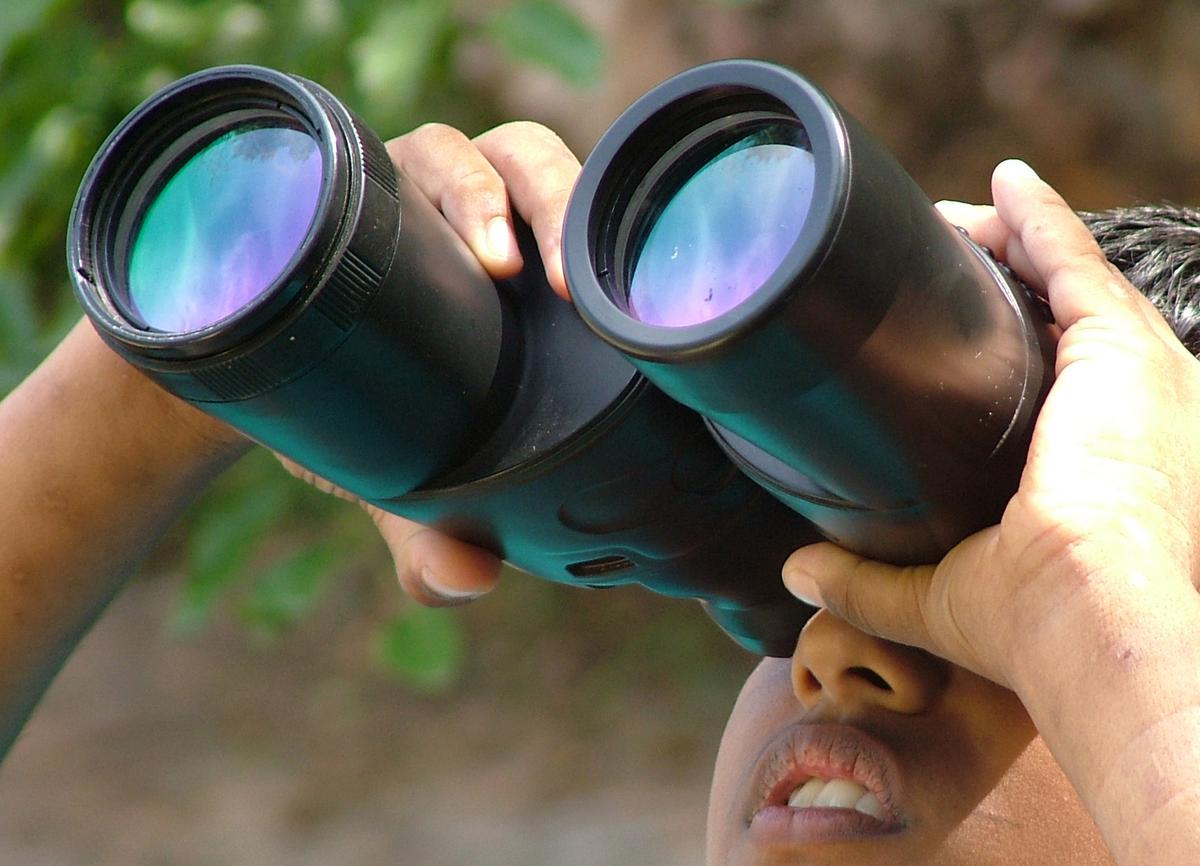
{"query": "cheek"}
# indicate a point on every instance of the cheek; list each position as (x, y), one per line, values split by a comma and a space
(764, 706)
(1031, 817)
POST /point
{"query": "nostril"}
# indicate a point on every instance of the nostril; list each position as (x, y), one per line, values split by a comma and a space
(811, 682)
(871, 677)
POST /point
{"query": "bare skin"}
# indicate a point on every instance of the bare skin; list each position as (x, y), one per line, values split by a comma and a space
(88, 491)
(964, 775)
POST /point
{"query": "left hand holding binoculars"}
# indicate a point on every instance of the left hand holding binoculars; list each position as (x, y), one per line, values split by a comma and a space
(472, 182)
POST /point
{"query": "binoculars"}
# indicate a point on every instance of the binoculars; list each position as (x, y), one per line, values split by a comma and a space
(775, 338)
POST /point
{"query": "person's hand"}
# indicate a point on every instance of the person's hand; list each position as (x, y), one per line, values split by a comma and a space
(1098, 547)
(472, 182)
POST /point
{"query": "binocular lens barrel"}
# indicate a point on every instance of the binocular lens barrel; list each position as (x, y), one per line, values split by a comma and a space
(245, 241)
(223, 227)
(759, 257)
(237, 238)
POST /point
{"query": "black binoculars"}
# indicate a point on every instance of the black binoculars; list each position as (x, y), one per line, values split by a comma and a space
(792, 343)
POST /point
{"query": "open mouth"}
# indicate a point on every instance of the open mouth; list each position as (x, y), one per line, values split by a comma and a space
(823, 782)
(818, 793)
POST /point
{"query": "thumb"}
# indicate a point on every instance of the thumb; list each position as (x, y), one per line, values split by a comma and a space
(949, 609)
(887, 601)
(433, 568)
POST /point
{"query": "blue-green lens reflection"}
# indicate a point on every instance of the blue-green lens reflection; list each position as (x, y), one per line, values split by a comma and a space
(726, 230)
(224, 227)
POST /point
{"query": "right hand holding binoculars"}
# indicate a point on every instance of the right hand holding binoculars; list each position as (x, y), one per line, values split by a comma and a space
(1084, 598)
(1101, 533)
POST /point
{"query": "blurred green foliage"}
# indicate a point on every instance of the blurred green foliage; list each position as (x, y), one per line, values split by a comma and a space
(424, 646)
(71, 69)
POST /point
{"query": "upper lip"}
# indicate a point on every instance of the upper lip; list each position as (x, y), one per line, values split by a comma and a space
(828, 751)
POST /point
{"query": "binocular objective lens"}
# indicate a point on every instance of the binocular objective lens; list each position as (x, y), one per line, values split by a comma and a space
(726, 228)
(223, 227)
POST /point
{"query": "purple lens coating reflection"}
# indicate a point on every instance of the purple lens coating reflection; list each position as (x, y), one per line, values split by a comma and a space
(224, 227)
(726, 230)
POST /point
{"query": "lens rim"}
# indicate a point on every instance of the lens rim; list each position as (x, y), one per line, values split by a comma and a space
(629, 155)
(146, 150)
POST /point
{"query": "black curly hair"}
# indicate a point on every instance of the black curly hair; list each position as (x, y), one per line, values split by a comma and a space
(1157, 247)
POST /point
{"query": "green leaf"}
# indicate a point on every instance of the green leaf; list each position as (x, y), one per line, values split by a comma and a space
(20, 17)
(168, 22)
(19, 344)
(224, 537)
(393, 60)
(548, 34)
(288, 589)
(424, 647)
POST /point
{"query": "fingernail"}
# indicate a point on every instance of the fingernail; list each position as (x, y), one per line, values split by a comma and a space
(801, 585)
(450, 595)
(500, 240)
(1020, 167)
(954, 210)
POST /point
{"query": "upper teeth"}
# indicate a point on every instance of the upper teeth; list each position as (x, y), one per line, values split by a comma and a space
(836, 794)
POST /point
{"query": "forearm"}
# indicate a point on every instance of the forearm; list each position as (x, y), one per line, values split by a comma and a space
(1121, 712)
(97, 463)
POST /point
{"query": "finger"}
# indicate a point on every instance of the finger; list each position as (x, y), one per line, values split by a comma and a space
(539, 171)
(879, 599)
(982, 223)
(466, 188)
(432, 568)
(1054, 251)
(435, 569)
(315, 480)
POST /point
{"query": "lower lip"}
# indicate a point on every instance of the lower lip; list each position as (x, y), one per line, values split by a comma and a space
(783, 825)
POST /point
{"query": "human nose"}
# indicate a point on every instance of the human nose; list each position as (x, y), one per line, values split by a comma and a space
(836, 663)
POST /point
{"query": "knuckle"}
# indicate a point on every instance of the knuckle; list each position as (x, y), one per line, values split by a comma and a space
(433, 133)
(524, 143)
(849, 607)
(476, 183)
(425, 144)
(929, 603)
(476, 191)
(522, 131)
(1086, 263)
(852, 605)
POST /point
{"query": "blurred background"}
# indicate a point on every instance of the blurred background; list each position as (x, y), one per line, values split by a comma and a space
(261, 693)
